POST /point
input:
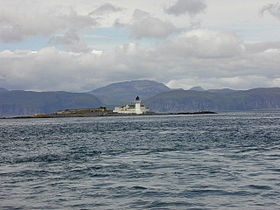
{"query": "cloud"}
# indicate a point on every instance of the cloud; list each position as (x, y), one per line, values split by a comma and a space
(211, 59)
(272, 9)
(191, 7)
(146, 26)
(261, 46)
(235, 82)
(105, 8)
(140, 14)
(70, 41)
(20, 21)
(205, 44)
(53, 69)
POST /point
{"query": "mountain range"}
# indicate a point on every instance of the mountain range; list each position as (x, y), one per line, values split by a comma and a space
(3, 90)
(190, 100)
(155, 95)
(124, 92)
(18, 102)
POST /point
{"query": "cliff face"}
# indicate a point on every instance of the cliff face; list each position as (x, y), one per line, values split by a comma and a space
(190, 101)
(27, 103)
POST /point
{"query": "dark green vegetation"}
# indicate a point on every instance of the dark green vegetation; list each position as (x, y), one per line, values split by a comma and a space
(125, 92)
(27, 103)
(83, 111)
(189, 100)
(96, 112)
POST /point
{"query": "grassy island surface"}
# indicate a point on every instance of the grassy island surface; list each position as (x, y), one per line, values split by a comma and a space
(99, 112)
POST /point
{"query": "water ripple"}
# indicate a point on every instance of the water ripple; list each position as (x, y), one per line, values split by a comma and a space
(225, 161)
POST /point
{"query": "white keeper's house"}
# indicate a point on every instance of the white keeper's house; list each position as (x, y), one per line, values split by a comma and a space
(136, 108)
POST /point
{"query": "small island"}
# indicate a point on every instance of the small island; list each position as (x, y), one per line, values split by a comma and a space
(135, 109)
(108, 113)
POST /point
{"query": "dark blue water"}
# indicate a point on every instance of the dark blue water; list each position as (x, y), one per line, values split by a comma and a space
(225, 161)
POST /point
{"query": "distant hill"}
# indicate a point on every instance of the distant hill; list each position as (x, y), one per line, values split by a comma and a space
(157, 96)
(3, 90)
(26, 102)
(189, 100)
(125, 92)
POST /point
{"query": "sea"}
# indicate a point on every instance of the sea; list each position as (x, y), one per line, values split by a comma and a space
(222, 161)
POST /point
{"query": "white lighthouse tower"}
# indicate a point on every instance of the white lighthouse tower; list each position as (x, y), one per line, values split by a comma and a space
(138, 106)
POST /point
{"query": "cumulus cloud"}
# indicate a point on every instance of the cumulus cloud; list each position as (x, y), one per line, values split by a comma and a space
(19, 21)
(140, 14)
(212, 59)
(262, 46)
(144, 25)
(105, 8)
(190, 7)
(235, 82)
(205, 44)
(272, 9)
(53, 69)
(209, 58)
(70, 41)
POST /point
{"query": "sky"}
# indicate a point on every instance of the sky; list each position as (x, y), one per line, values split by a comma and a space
(80, 45)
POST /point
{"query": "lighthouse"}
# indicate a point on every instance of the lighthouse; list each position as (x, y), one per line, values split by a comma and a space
(133, 108)
(138, 106)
